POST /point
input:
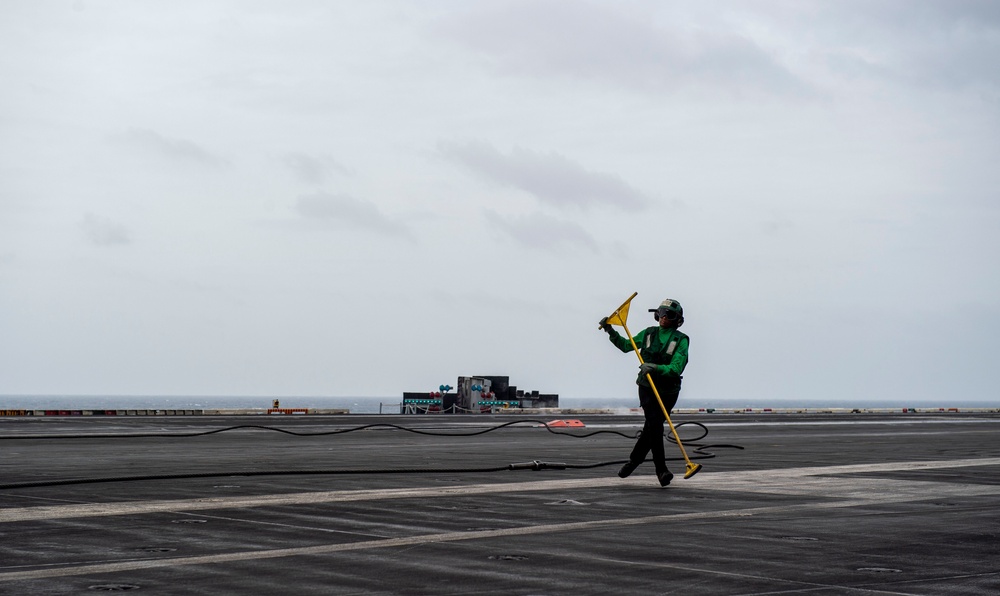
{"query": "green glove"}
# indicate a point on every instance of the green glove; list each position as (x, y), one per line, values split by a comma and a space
(648, 368)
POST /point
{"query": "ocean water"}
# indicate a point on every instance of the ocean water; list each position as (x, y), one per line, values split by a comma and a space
(390, 405)
(358, 405)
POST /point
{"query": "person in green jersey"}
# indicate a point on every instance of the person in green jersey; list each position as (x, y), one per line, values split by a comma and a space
(664, 352)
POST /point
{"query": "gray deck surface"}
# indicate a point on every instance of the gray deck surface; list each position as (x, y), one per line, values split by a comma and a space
(814, 504)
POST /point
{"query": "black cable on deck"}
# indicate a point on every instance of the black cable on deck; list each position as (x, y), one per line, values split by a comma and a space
(697, 449)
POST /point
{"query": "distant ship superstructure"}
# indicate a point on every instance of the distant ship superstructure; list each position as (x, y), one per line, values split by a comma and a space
(476, 394)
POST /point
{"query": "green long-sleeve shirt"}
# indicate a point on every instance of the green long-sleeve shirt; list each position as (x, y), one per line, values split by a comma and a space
(654, 346)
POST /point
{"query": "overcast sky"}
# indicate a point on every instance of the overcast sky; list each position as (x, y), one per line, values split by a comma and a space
(363, 198)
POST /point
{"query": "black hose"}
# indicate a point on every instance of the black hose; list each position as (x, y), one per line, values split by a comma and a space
(534, 466)
(698, 450)
(322, 433)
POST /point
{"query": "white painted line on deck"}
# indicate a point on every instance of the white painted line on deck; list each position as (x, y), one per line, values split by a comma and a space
(423, 539)
(783, 481)
(853, 491)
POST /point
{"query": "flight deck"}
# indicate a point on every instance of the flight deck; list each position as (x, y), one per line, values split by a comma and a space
(817, 504)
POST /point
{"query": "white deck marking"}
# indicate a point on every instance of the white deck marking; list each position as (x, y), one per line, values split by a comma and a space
(842, 492)
(423, 539)
(780, 481)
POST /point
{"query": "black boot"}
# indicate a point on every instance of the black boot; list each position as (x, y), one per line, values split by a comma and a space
(664, 477)
(627, 469)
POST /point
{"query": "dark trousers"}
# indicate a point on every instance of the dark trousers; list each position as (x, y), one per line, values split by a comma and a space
(651, 439)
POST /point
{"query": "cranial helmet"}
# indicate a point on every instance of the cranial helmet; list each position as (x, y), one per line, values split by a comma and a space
(666, 307)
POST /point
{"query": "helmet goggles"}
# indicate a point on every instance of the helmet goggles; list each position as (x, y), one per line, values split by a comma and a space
(664, 312)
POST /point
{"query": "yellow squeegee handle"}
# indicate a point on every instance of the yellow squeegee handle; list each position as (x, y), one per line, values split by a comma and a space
(690, 466)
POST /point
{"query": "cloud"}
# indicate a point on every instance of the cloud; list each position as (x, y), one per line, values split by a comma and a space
(937, 44)
(101, 231)
(539, 231)
(551, 178)
(175, 150)
(350, 212)
(943, 45)
(312, 170)
(598, 43)
(776, 226)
